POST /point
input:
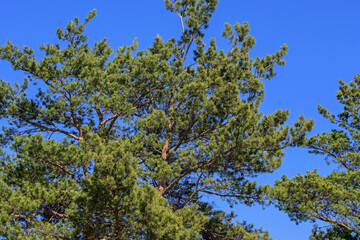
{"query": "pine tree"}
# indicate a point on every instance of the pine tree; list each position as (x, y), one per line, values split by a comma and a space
(334, 198)
(124, 145)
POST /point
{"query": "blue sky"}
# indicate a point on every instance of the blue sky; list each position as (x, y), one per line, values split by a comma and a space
(323, 38)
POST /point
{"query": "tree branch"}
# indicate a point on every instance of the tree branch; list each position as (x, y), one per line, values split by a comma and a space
(55, 129)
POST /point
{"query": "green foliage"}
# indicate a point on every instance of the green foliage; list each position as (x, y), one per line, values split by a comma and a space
(334, 198)
(221, 226)
(334, 233)
(124, 146)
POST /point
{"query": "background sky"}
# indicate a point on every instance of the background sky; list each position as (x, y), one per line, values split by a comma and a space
(323, 38)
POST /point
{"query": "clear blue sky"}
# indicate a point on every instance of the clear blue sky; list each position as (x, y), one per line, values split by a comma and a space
(324, 45)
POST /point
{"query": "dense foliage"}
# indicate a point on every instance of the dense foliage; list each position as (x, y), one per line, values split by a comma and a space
(333, 198)
(124, 146)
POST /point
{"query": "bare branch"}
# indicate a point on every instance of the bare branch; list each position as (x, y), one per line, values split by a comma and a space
(55, 129)
(192, 195)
